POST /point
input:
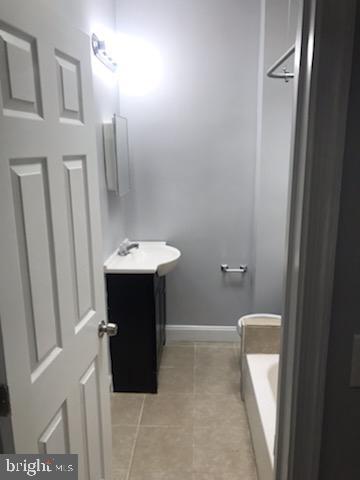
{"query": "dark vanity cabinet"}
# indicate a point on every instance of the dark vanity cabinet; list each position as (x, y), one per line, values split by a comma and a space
(137, 304)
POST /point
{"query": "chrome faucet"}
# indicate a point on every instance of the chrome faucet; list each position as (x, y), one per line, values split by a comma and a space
(125, 247)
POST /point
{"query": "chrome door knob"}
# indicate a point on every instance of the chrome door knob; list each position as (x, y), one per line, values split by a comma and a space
(110, 329)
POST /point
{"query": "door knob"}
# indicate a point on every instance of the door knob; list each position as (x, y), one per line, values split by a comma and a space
(110, 329)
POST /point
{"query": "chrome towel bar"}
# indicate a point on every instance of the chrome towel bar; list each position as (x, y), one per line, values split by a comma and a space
(226, 269)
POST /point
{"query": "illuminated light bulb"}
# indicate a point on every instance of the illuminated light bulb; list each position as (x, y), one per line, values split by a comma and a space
(140, 66)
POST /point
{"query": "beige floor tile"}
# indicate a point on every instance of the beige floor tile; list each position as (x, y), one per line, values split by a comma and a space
(176, 380)
(223, 451)
(183, 343)
(119, 474)
(201, 431)
(123, 444)
(178, 356)
(213, 410)
(237, 349)
(163, 476)
(215, 344)
(162, 451)
(226, 476)
(216, 370)
(216, 357)
(168, 409)
(126, 408)
(216, 381)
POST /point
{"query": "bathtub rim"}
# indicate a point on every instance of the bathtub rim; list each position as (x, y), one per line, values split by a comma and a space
(260, 406)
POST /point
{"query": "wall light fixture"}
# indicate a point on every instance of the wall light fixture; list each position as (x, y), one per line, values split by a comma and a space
(100, 52)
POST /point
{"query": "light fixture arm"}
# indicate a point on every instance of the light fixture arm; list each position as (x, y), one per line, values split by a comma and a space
(100, 52)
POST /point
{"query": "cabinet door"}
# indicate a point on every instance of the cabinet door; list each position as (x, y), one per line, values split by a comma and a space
(160, 315)
(157, 297)
(132, 307)
(163, 310)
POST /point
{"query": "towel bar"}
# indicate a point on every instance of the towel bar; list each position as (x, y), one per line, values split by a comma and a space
(226, 269)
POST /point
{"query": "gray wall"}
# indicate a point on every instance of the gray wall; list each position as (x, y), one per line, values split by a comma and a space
(279, 21)
(99, 17)
(193, 148)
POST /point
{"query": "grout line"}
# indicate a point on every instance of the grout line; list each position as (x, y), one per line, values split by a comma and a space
(132, 455)
(138, 424)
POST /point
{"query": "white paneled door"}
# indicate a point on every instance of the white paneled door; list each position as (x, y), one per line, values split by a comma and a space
(51, 280)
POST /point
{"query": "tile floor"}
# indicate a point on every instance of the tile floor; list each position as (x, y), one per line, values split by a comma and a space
(195, 428)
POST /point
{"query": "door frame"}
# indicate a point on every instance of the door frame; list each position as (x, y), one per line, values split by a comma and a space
(323, 62)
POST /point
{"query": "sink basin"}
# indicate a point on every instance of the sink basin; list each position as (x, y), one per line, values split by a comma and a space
(150, 257)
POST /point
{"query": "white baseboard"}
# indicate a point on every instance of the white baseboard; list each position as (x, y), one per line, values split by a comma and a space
(201, 333)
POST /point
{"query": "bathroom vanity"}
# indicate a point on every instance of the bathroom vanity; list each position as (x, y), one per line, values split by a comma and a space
(136, 296)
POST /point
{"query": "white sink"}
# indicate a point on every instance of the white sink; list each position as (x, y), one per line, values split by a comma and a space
(150, 257)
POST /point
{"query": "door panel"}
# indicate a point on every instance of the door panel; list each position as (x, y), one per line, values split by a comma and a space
(78, 212)
(36, 251)
(20, 85)
(91, 422)
(69, 88)
(51, 277)
(55, 439)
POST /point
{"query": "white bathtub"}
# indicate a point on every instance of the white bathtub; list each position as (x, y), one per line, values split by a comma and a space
(260, 389)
